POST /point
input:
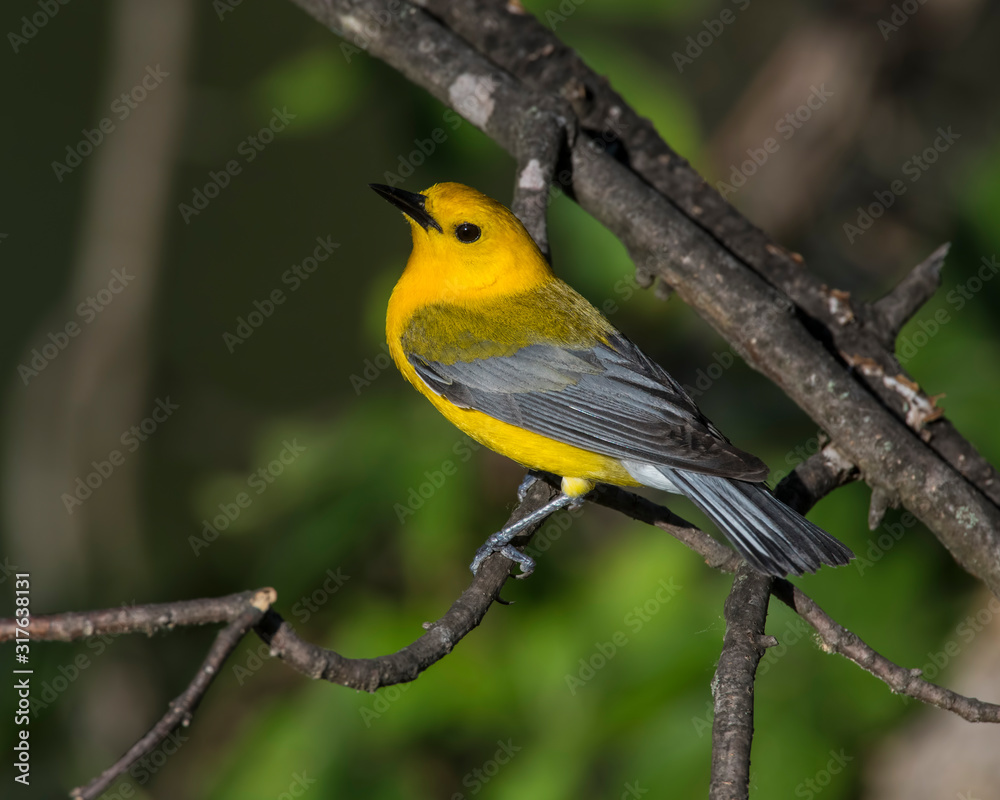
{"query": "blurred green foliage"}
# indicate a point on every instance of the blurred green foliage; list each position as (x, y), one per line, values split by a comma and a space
(570, 692)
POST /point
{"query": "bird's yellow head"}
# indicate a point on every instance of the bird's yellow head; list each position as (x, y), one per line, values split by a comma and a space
(466, 246)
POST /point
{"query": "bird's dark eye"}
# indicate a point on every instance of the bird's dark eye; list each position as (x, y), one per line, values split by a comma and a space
(467, 233)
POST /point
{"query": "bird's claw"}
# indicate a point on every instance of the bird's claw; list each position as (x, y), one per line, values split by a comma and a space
(499, 542)
(526, 562)
(525, 486)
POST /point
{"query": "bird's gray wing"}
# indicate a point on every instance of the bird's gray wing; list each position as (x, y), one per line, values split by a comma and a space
(610, 399)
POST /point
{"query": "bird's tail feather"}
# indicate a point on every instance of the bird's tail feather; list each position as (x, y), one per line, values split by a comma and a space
(771, 536)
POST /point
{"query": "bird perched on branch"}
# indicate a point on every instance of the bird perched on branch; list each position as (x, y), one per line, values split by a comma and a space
(522, 363)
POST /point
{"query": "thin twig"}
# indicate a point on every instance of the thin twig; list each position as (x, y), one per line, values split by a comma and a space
(837, 639)
(894, 310)
(146, 619)
(183, 706)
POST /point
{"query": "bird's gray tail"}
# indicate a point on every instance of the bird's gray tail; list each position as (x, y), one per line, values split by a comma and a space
(772, 537)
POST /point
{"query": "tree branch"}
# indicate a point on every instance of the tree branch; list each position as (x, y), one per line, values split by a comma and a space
(183, 706)
(540, 143)
(733, 685)
(837, 639)
(406, 665)
(816, 476)
(892, 312)
(147, 619)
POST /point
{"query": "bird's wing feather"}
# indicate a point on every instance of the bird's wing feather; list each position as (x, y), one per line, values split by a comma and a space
(609, 398)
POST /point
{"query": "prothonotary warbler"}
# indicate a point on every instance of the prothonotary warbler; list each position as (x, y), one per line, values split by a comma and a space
(519, 361)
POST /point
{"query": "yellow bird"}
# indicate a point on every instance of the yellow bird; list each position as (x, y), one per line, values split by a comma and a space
(522, 363)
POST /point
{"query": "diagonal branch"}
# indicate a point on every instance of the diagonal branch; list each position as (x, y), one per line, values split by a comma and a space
(893, 311)
(406, 665)
(837, 639)
(182, 708)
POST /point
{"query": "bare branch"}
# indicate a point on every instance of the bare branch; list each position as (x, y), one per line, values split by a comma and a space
(733, 686)
(819, 474)
(893, 311)
(539, 146)
(248, 610)
(837, 639)
(406, 665)
(146, 619)
(183, 706)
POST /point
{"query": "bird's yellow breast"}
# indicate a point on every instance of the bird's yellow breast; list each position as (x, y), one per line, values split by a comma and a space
(490, 337)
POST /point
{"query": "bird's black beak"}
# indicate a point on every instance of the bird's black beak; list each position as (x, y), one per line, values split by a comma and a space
(410, 203)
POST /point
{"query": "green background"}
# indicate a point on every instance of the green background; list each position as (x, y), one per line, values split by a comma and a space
(517, 710)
